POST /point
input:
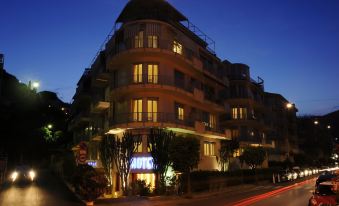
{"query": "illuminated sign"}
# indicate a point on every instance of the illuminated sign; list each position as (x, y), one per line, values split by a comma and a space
(142, 163)
(92, 163)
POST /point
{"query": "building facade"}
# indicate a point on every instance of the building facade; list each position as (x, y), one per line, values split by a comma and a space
(155, 71)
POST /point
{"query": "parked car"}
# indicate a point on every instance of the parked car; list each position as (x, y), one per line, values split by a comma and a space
(285, 175)
(23, 174)
(325, 176)
(323, 195)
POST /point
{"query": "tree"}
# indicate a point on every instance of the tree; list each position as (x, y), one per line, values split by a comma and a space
(227, 149)
(106, 157)
(123, 150)
(88, 183)
(185, 155)
(158, 142)
(253, 156)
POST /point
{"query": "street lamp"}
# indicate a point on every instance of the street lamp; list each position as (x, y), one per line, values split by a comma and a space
(328, 126)
(289, 105)
(49, 126)
(35, 85)
(316, 122)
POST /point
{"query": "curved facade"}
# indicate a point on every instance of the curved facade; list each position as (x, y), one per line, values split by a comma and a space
(155, 72)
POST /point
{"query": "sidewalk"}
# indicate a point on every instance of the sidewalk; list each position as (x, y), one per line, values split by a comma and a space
(174, 199)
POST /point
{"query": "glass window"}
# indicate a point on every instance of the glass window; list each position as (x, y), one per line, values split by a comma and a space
(139, 40)
(235, 113)
(137, 73)
(153, 73)
(242, 113)
(137, 110)
(212, 121)
(235, 133)
(152, 41)
(209, 148)
(152, 110)
(180, 112)
(177, 47)
(138, 147)
(239, 113)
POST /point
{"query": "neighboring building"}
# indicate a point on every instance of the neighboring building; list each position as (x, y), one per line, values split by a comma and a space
(155, 72)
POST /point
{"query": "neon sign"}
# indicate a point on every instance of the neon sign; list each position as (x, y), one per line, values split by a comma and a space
(92, 163)
(142, 163)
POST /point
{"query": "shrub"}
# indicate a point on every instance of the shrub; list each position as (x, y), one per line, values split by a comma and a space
(88, 183)
(139, 187)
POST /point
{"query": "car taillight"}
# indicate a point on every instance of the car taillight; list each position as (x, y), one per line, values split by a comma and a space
(313, 202)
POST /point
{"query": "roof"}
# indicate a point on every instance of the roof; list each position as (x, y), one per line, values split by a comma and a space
(149, 9)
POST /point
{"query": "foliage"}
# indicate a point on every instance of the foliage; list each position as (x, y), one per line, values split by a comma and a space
(253, 156)
(106, 157)
(185, 155)
(139, 187)
(123, 150)
(88, 183)
(158, 143)
(227, 149)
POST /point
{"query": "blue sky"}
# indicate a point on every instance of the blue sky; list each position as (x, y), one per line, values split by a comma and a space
(292, 44)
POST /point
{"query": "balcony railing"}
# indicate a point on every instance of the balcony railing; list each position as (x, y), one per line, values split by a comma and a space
(162, 80)
(160, 117)
(152, 79)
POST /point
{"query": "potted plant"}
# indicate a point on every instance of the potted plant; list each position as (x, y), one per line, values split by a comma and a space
(88, 183)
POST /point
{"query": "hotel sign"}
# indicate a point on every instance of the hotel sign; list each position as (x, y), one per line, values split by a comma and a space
(142, 163)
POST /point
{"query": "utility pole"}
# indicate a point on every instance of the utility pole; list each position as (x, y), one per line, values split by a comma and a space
(2, 60)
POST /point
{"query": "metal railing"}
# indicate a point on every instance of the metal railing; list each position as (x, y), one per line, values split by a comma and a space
(161, 117)
(152, 79)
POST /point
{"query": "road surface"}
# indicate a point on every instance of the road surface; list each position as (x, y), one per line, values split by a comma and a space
(46, 191)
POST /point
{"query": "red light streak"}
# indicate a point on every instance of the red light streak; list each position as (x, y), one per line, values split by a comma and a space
(251, 200)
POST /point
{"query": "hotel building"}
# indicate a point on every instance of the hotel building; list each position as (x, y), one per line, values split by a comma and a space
(158, 70)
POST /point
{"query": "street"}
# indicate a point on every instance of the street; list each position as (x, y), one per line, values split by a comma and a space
(46, 191)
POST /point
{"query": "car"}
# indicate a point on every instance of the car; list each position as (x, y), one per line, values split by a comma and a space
(299, 172)
(325, 176)
(285, 175)
(23, 174)
(323, 195)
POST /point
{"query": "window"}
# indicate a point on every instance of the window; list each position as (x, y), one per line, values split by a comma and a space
(235, 133)
(209, 148)
(152, 110)
(239, 113)
(177, 47)
(152, 73)
(137, 73)
(152, 41)
(139, 40)
(180, 111)
(235, 113)
(212, 121)
(137, 110)
(242, 113)
(138, 146)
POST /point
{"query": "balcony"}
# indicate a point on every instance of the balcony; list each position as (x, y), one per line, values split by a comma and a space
(161, 81)
(185, 124)
(99, 106)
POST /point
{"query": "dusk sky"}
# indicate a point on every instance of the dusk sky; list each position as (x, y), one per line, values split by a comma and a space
(292, 44)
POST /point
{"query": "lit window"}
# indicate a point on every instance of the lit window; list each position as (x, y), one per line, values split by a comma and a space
(138, 147)
(242, 113)
(235, 113)
(152, 73)
(177, 47)
(152, 41)
(137, 73)
(212, 121)
(180, 112)
(137, 110)
(152, 110)
(239, 113)
(139, 40)
(209, 148)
